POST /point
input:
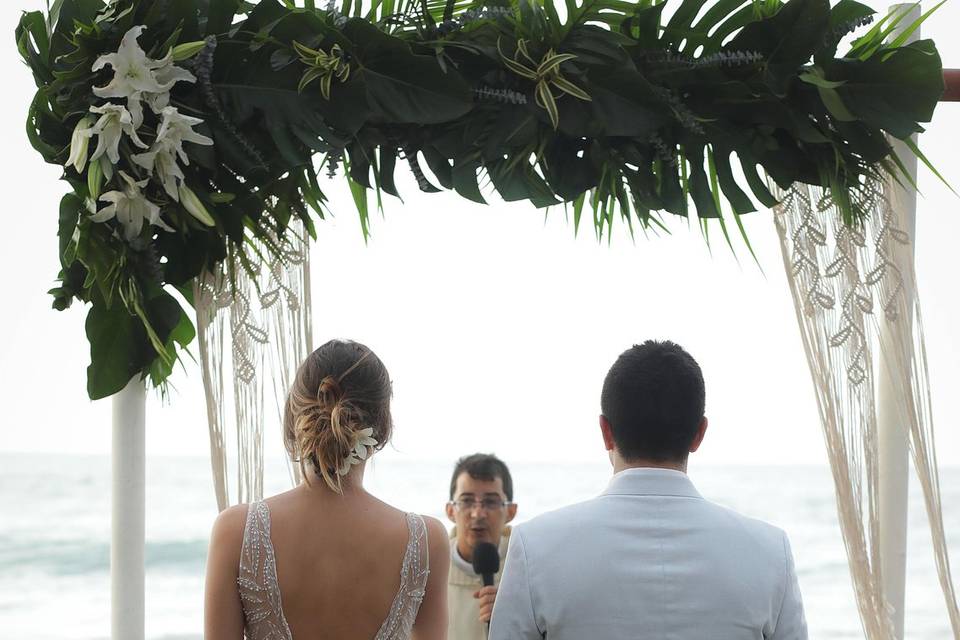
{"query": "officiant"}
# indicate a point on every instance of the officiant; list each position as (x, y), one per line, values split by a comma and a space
(481, 506)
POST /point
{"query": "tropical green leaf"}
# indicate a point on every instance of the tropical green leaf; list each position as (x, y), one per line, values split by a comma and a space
(401, 86)
(116, 349)
(571, 89)
(739, 200)
(643, 24)
(220, 15)
(70, 207)
(388, 163)
(464, 176)
(551, 63)
(33, 43)
(815, 77)
(834, 104)
(359, 194)
(893, 94)
(787, 40)
(923, 158)
(439, 165)
(905, 34)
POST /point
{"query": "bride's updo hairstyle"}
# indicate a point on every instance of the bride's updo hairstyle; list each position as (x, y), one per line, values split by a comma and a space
(340, 389)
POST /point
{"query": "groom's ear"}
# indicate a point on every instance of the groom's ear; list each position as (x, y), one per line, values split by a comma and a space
(698, 436)
(449, 511)
(607, 432)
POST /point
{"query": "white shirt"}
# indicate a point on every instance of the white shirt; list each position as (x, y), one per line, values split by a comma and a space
(648, 559)
(463, 619)
(457, 560)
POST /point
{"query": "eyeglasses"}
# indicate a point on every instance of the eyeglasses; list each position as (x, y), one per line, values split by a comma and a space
(489, 504)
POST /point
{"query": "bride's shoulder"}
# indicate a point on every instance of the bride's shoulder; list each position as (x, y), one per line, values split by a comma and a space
(434, 526)
(231, 517)
(229, 524)
(438, 539)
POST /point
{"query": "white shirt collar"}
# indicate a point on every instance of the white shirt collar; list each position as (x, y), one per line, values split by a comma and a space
(651, 481)
(458, 560)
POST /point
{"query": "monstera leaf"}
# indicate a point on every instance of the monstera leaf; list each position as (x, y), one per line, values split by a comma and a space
(892, 90)
(787, 40)
(120, 346)
(404, 87)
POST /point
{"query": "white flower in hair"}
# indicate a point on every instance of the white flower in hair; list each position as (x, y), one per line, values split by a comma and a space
(363, 445)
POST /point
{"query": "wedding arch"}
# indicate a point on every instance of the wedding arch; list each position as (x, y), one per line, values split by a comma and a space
(194, 133)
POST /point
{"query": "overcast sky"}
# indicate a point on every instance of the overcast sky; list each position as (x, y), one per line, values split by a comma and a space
(497, 324)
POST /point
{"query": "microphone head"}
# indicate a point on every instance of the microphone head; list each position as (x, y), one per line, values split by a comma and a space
(486, 559)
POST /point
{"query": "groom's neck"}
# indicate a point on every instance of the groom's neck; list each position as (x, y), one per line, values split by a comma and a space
(619, 464)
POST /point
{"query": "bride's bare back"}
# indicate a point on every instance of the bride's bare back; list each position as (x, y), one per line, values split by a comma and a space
(346, 574)
(338, 562)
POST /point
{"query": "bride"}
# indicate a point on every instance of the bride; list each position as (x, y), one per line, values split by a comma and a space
(327, 560)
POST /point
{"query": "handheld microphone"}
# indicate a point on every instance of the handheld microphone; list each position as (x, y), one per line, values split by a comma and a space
(486, 561)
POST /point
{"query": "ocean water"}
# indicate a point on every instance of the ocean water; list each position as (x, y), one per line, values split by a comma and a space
(55, 536)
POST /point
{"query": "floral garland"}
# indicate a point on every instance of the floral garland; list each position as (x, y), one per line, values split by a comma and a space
(207, 117)
(137, 79)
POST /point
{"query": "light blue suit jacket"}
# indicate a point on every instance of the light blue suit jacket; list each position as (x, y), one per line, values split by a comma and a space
(649, 559)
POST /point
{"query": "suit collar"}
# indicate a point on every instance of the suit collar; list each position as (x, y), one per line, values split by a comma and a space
(649, 481)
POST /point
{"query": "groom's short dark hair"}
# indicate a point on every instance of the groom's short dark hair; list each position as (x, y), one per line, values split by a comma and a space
(653, 397)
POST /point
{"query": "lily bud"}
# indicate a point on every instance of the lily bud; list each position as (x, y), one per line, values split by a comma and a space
(79, 143)
(187, 50)
(95, 179)
(194, 207)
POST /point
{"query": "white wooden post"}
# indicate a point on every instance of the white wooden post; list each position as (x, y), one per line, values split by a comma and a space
(127, 571)
(893, 432)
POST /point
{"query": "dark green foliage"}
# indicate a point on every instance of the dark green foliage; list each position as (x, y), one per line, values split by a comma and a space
(649, 110)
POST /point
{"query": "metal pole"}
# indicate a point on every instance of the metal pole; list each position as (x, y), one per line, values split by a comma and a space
(129, 516)
(951, 85)
(892, 430)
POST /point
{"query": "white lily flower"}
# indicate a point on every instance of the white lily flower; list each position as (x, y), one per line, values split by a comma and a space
(114, 121)
(136, 110)
(137, 77)
(167, 75)
(130, 208)
(79, 143)
(106, 167)
(161, 161)
(133, 71)
(176, 128)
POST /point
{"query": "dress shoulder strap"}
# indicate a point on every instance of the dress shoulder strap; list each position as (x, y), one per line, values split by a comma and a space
(413, 583)
(257, 579)
(417, 558)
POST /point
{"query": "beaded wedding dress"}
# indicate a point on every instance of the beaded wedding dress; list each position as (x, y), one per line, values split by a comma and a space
(260, 592)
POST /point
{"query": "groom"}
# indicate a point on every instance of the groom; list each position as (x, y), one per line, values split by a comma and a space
(649, 558)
